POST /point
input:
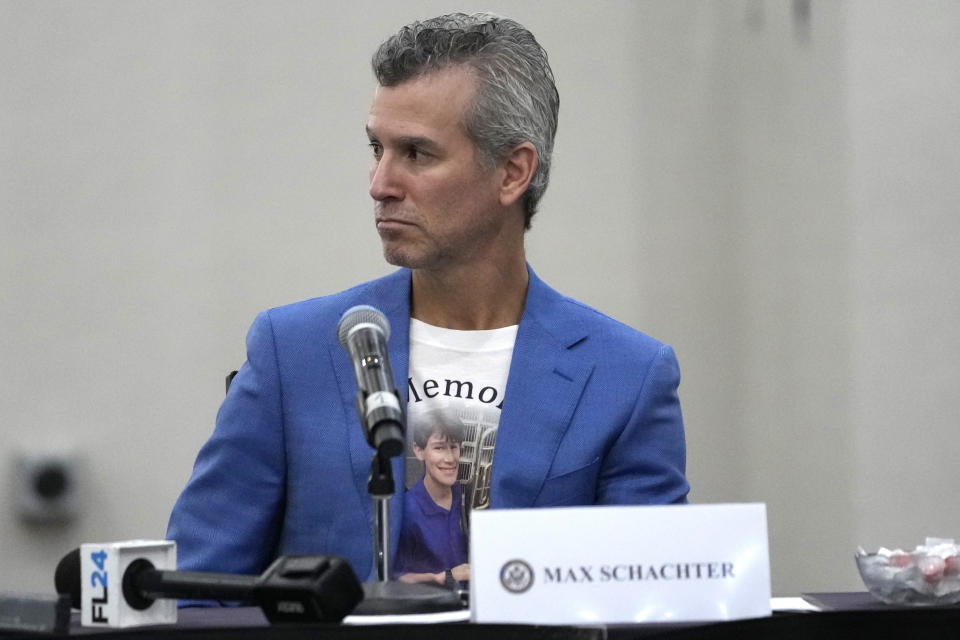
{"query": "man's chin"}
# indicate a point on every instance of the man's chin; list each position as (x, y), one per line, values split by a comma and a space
(400, 258)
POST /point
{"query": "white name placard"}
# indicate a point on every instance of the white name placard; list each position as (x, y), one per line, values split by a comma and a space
(576, 565)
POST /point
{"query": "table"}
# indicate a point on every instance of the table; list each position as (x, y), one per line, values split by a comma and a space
(844, 616)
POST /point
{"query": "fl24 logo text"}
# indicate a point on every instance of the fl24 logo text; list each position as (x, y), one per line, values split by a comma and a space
(98, 580)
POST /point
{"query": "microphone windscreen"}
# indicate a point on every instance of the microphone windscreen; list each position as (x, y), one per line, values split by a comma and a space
(67, 577)
(361, 314)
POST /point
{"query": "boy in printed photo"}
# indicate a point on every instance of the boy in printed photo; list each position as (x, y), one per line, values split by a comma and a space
(433, 545)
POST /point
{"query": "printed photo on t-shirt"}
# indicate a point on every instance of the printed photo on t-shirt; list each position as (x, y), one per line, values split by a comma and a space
(454, 399)
(475, 431)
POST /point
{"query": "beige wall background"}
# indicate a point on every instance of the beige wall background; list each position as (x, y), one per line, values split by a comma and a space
(770, 186)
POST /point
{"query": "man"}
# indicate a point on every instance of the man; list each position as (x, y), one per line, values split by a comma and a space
(584, 409)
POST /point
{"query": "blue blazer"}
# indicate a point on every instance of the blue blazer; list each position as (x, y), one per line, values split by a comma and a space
(590, 416)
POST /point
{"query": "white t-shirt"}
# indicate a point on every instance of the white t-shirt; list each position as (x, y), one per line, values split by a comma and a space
(459, 378)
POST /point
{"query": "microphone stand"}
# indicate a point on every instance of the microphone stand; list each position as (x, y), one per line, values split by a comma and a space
(381, 487)
(363, 331)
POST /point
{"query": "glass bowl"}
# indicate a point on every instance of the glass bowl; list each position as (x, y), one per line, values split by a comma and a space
(912, 578)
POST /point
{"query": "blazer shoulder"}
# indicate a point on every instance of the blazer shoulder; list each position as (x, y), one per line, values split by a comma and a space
(601, 331)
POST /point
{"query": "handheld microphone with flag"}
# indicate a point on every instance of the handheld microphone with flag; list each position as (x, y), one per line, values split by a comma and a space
(119, 585)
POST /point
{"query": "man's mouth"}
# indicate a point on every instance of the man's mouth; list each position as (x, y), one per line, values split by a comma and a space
(386, 223)
(391, 213)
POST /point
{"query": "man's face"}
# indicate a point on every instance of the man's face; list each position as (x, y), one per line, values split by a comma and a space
(436, 206)
(441, 458)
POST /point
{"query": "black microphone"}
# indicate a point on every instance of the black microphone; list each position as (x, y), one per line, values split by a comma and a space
(363, 331)
(292, 589)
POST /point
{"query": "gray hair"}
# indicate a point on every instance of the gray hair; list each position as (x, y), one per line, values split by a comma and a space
(517, 100)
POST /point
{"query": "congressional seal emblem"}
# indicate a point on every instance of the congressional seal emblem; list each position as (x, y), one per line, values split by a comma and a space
(516, 576)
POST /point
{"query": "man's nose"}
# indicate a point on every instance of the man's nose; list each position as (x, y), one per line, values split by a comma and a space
(384, 182)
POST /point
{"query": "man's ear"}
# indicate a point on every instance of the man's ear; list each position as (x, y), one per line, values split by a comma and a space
(418, 451)
(518, 168)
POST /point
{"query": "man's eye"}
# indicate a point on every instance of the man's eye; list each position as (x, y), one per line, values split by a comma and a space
(413, 153)
(377, 149)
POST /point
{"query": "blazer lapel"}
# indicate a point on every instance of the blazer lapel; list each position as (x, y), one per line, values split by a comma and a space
(544, 387)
